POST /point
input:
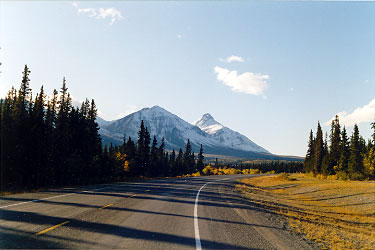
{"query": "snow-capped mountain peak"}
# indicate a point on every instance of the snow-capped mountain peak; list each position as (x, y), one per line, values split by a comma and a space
(208, 124)
(215, 138)
(225, 135)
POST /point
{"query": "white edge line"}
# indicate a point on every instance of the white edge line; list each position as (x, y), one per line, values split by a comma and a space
(198, 244)
(48, 198)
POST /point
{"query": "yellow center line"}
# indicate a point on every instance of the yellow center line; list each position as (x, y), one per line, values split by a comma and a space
(51, 228)
(133, 195)
(147, 190)
(105, 206)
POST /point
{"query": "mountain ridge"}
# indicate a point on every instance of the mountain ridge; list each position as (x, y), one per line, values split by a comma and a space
(226, 135)
(176, 131)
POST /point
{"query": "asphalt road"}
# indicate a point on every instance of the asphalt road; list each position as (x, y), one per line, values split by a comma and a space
(191, 213)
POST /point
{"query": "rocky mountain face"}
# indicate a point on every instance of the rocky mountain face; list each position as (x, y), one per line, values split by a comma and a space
(215, 138)
(226, 136)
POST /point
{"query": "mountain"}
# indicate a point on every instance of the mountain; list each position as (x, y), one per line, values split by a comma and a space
(160, 123)
(227, 136)
(101, 122)
(216, 139)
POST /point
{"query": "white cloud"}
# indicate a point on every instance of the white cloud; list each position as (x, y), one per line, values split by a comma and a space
(291, 89)
(179, 36)
(91, 12)
(101, 13)
(128, 110)
(359, 115)
(248, 82)
(232, 58)
(114, 14)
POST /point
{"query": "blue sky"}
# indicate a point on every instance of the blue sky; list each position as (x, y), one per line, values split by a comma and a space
(269, 70)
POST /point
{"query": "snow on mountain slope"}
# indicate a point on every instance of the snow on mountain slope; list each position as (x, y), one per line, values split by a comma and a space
(227, 136)
(101, 122)
(160, 123)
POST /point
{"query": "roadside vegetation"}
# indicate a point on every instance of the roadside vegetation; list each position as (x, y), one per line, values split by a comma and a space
(341, 157)
(46, 141)
(336, 214)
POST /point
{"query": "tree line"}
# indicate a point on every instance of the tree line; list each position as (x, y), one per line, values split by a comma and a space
(49, 142)
(46, 141)
(275, 166)
(141, 159)
(346, 157)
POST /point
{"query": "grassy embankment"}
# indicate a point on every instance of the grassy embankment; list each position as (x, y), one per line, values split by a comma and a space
(336, 214)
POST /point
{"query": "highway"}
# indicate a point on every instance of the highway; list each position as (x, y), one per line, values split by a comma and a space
(186, 213)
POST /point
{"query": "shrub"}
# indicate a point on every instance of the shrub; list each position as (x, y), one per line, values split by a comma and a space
(197, 174)
(271, 172)
(342, 175)
(332, 177)
(357, 176)
(207, 170)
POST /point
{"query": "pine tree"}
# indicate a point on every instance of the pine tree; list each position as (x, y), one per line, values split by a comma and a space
(172, 164)
(318, 151)
(326, 169)
(162, 159)
(308, 164)
(179, 163)
(200, 164)
(334, 150)
(63, 136)
(154, 161)
(143, 150)
(131, 155)
(50, 122)
(355, 164)
(21, 137)
(188, 160)
(38, 140)
(344, 152)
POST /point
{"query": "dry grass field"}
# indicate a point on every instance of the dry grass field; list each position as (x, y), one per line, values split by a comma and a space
(336, 214)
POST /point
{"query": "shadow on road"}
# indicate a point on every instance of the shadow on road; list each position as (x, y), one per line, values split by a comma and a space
(170, 191)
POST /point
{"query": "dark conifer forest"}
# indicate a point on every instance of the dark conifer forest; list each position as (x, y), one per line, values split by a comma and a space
(340, 155)
(47, 142)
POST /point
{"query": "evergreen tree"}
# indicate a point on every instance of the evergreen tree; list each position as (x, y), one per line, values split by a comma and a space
(163, 159)
(355, 164)
(143, 150)
(38, 140)
(154, 161)
(188, 160)
(172, 164)
(326, 168)
(318, 151)
(344, 152)
(179, 163)
(308, 164)
(21, 137)
(200, 164)
(63, 135)
(50, 121)
(334, 150)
